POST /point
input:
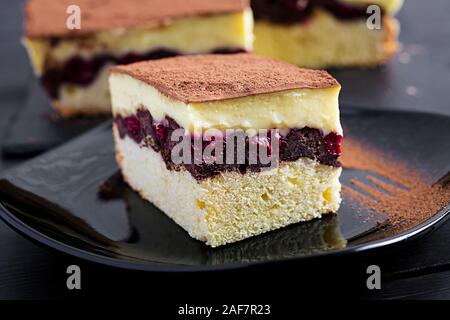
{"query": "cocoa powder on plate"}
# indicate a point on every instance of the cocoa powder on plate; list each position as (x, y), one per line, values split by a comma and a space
(405, 195)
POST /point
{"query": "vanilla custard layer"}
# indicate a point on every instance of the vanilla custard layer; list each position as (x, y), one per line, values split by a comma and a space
(187, 35)
(326, 41)
(314, 108)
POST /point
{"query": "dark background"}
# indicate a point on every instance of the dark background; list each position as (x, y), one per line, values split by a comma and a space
(417, 79)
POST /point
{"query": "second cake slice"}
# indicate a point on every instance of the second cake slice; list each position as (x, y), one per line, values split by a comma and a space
(73, 64)
(288, 114)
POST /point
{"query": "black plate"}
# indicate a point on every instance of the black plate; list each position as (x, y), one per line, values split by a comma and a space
(54, 199)
(37, 127)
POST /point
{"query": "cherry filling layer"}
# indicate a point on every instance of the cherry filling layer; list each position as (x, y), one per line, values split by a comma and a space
(300, 11)
(82, 71)
(293, 144)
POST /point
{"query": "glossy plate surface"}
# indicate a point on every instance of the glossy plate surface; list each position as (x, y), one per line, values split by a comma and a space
(54, 199)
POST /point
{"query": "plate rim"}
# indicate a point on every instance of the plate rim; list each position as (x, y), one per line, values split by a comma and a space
(34, 235)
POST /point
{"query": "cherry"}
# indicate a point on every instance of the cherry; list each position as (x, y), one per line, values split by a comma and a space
(333, 142)
(160, 131)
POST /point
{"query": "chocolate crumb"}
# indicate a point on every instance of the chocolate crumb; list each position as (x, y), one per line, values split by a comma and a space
(112, 188)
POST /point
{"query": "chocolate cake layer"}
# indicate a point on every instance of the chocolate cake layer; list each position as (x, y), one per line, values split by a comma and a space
(81, 71)
(294, 11)
(47, 18)
(207, 78)
(294, 144)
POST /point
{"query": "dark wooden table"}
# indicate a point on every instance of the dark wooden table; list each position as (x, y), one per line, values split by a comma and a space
(417, 270)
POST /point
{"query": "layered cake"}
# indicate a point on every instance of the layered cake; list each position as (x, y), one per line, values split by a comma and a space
(326, 33)
(159, 105)
(73, 64)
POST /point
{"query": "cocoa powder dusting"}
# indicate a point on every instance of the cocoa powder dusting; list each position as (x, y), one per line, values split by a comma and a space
(409, 198)
(203, 78)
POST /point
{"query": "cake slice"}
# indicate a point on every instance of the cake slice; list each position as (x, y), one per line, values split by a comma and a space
(73, 64)
(223, 202)
(325, 33)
